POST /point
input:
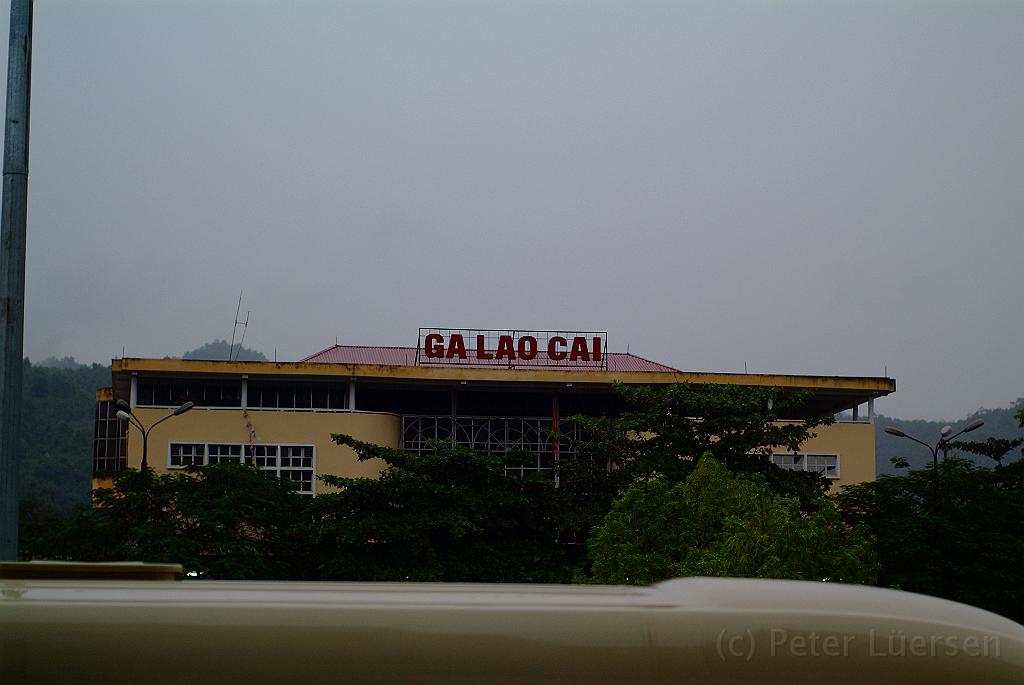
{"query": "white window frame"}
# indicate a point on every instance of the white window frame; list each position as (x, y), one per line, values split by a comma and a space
(804, 459)
(274, 470)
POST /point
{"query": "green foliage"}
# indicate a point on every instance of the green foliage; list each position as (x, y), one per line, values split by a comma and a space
(448, 515)
(218, 521)
(739, 426)
(57, 427)
(41, 531)
(995, 449)
(61, 363)
(1000, 424)
(220, 350)
(716, 523)
(952, 532)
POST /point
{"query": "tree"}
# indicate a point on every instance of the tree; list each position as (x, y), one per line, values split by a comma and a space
(58, 414)
(953, 531)
(1000, 424)
(716, 523)
(218, 521)
(666, 429)
(220, 350)
(447, 515)
(995, 449)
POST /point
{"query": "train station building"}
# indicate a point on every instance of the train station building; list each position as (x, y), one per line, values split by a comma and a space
(488, 390)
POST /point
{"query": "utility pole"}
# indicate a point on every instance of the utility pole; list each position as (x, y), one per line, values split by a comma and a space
(12, 267)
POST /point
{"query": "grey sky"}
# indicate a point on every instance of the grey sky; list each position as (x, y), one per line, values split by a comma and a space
(807, 187)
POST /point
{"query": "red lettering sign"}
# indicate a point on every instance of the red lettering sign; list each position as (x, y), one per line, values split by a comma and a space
(511, 349)
(527, 347)
(481, 348)
(433, 346)
(579, 350)
(505, 349)
(456, 347)
(554, 353)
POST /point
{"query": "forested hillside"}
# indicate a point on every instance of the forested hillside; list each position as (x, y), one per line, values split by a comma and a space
(57, 432)
(999, 423)
(57, 414)
(220, 350)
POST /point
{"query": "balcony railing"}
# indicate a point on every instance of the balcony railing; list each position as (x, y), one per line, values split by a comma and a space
(495, 434)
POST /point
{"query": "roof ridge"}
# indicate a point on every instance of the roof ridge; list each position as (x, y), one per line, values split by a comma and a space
(649, 361)
(317, 354)
(402, 355)
(367, 347)
(382, 347)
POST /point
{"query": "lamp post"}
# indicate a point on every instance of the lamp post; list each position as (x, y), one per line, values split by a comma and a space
(125, 414)
(944, 438)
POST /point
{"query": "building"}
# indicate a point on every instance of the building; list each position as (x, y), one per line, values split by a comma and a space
(489, 390)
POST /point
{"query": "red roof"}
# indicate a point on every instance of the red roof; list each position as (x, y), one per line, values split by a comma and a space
(406, 356)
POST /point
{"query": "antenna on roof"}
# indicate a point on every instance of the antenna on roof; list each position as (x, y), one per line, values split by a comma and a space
(245, 327)
(238, 309)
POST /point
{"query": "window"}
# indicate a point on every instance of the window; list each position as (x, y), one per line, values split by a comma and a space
(274, 395)
(297, 466)
(183, 455)
(110, 440)
(825, 464)
(225, 454)
(176, 392)
(527, 441)
(292, 462)
(264, 456)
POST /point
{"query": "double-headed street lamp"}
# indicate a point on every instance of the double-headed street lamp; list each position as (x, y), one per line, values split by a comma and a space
(944, 438)
(124, 412)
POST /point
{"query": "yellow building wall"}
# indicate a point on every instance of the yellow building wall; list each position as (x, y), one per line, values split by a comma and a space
(272, 427)
(855, 445)
(853, 442)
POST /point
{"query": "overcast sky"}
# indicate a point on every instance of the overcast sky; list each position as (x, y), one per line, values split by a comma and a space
(799, 187)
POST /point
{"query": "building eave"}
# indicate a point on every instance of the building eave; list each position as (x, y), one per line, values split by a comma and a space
(860, 385)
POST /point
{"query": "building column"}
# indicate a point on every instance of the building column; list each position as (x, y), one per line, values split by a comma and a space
(352, 395)
(133, 395)
(555, 426)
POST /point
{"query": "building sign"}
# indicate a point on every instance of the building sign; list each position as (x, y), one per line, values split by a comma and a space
(512, 349)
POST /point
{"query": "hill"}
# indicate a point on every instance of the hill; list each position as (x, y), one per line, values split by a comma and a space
(220, 350)
(999, 423)
(57, 425)
(55, 445)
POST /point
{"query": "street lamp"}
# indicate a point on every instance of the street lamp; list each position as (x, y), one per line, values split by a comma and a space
(124, 413)
(944, 438)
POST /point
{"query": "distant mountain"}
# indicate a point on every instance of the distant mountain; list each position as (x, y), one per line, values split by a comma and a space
(56, 438)
(220, 350)
(999, 423)
(57, 424)
(62, 363)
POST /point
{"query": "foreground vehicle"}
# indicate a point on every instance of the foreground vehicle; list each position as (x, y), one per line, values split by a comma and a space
(695, 630)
